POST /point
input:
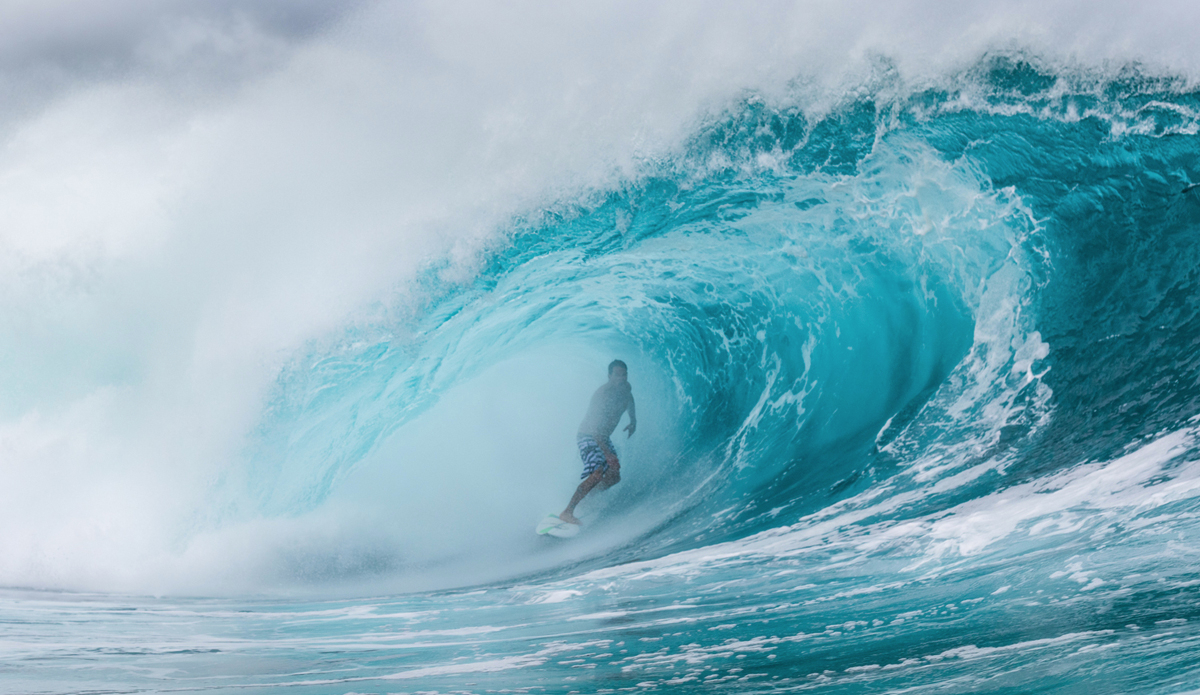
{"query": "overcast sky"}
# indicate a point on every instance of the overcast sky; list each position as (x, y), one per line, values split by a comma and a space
(203, 45)
(199, 46)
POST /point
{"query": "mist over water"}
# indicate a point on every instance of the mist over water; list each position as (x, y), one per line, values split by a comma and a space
(303, 304)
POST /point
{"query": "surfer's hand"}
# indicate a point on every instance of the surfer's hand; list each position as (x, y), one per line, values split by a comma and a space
(631, 428)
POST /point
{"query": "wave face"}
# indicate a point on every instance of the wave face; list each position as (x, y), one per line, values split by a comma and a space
(918, 385)
(818, 310)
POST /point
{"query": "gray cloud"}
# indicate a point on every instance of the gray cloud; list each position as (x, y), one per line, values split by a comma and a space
(197, 46)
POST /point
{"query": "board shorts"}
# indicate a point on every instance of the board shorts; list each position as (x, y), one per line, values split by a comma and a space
(592, 454)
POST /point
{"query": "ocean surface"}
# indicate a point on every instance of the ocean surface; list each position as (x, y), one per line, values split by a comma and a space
(917, 372)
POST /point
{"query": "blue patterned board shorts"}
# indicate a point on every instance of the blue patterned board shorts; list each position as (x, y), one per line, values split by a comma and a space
(592, 454)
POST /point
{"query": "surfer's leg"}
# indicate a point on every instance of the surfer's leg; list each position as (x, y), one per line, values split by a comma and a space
(568, 514)
(612, 468)
(594, 469)
(612, 476)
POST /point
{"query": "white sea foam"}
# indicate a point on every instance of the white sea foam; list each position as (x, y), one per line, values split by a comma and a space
(1085, 498)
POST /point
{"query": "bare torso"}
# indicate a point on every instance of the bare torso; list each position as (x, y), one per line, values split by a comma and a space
(606, 408)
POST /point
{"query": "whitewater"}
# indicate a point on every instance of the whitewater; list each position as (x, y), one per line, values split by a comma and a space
(301, 306)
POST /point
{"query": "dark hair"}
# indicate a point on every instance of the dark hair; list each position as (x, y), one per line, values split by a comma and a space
(617, 363)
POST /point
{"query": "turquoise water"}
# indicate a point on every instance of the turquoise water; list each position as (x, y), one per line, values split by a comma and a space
(917, 382)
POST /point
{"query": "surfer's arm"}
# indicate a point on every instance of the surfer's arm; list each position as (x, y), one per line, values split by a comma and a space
(632, 426)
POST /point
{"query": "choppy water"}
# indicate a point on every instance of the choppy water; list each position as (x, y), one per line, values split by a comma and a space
(917, 380)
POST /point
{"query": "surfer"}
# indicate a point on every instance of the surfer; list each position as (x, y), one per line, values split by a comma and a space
(600, 464)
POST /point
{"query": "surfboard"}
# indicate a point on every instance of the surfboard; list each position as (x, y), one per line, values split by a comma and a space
(551, 525)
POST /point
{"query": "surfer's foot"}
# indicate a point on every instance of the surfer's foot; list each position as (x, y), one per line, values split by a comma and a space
(569, 518)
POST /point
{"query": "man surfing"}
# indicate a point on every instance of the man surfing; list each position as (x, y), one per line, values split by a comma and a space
(600, 464)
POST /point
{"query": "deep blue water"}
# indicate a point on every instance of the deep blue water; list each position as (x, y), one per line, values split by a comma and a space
(918, 385)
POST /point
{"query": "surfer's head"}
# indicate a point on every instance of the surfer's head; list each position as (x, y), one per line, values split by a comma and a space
(617, 370)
